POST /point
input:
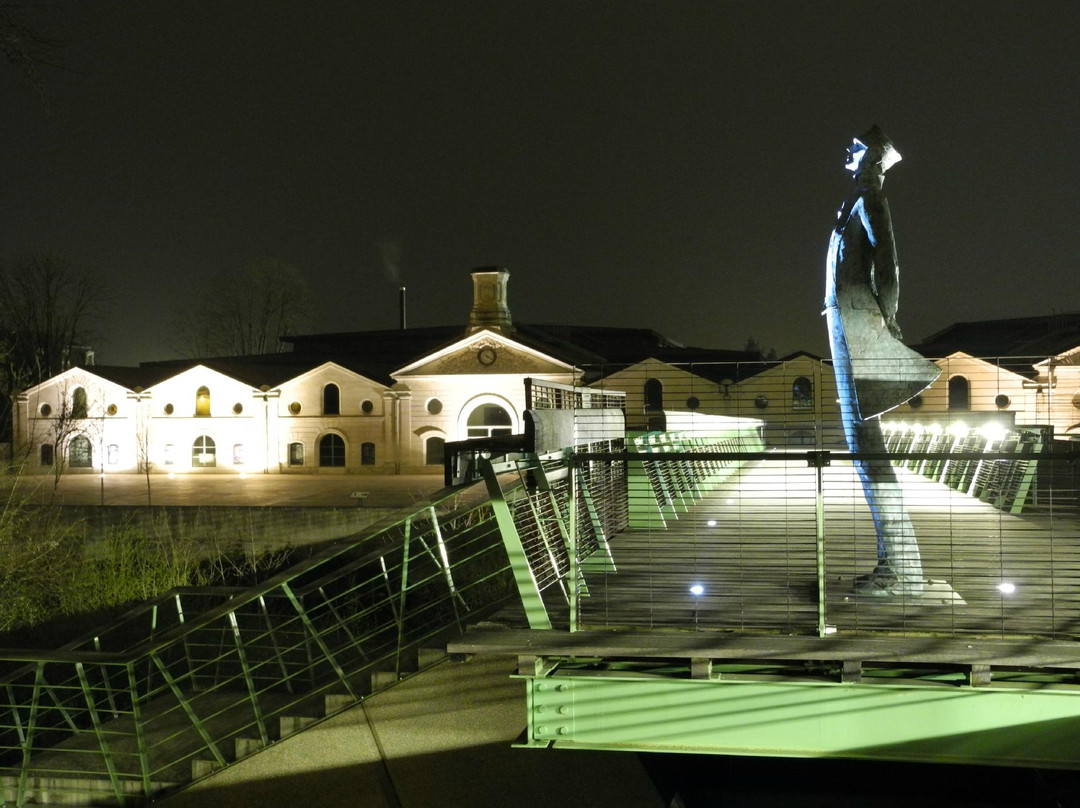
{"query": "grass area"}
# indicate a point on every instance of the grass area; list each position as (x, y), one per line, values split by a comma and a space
(55, 584)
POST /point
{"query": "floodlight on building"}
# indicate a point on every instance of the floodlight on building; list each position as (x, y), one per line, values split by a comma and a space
(711, 523)
(697, 590)
(1006, 588)
(934, 429)
(992, 431)
(172, 476)
(958, 429)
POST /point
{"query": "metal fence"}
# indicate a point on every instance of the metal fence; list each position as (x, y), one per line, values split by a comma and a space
(765, 528)
(198, 678)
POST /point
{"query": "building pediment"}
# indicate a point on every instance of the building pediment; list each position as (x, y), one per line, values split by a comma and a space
(484, 353)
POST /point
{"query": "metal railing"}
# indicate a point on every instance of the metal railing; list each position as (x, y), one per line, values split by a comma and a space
(198, 678)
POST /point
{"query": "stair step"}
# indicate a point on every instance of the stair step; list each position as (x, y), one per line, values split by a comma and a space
(430, 656)
(247, 746)
(72, 790)
(381, 679)
(336, 702)
(201, 768)
(291, 724)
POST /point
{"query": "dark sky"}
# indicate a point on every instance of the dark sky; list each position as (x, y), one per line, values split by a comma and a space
(675, 165)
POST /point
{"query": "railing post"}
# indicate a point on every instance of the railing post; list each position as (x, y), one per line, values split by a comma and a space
(106, 752)
(31, 725)
(455, 596)
(310, 628)
(248, 679)
(401, 596)
(818, 460)
(571, 481)
(189, 711)
(140, 735)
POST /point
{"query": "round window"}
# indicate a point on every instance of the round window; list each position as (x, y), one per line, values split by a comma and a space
(1002, 401)
(915, 402)
(761, 402)
(168, 409)
(367, 406)
(1075, 399)
(294, 408)
(45, 410)
(434, 406)
(237, 408)
(111, 409)
(693, 403)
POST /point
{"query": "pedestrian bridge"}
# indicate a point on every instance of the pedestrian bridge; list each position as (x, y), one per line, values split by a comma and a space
(681, 590)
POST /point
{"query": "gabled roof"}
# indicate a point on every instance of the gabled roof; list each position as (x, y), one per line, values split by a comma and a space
(1031, 337)
(376, 354)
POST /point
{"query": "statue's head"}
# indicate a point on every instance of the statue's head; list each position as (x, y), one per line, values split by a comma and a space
(872, 152)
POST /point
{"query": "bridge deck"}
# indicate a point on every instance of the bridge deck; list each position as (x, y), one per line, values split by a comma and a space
(751, 544)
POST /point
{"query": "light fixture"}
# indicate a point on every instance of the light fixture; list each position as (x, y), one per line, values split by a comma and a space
(1006, 588)
(992, 431)
(958, 429)
(697, 590)
(711, 523)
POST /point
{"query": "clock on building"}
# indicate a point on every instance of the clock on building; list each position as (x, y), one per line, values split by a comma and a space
(486, 356)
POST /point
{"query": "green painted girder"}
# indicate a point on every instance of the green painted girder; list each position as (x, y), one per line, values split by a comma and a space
(933, 722)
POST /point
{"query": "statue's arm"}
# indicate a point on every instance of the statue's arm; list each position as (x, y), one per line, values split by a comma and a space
(885, 280)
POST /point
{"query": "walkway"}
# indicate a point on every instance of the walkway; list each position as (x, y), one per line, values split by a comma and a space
(442, 738)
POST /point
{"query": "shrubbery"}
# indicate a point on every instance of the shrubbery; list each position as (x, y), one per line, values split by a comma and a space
(48, 569)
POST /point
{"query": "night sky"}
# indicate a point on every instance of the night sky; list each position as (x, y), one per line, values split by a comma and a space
(673, 165)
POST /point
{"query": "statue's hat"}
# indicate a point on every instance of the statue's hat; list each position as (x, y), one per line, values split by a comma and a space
(879, 148)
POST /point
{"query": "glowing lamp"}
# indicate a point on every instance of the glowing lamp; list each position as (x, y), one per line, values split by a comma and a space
(697, 590)
(958, 429)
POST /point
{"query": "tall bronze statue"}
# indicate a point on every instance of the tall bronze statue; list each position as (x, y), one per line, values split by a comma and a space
(875, 371)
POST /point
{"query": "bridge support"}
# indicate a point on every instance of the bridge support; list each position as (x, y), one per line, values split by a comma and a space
(925, 721)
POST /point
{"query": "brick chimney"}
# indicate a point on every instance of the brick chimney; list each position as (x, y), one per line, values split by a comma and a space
(489, 300)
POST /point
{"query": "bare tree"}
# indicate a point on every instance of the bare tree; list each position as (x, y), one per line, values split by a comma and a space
(248, 312)
(47, 307)
(66, 433)
(26, 48)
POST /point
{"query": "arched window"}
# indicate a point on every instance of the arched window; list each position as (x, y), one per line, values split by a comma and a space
(959, 394)
(802, 394)
(331, 450)
(296, 454)
(80, 453)
(331, 400)
(654, 405)
(202, 402)
(203, 452)
(78, 403)
(489, 420)
(367, 454)
(434, 450)
(654, 395)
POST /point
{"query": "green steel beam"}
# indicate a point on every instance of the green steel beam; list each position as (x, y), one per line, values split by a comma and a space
(528, 589)
(28, 738)
(929, 722)
(189, 711)
(249, 680)
(140, 730)
(311, 631)
(99, 733)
